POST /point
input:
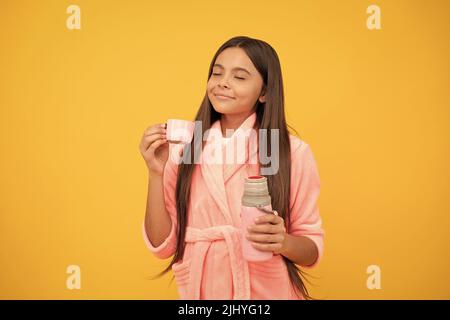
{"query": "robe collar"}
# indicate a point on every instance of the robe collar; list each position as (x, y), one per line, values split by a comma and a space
(243, 144)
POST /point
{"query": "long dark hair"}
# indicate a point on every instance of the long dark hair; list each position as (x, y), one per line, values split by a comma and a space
(269, 115)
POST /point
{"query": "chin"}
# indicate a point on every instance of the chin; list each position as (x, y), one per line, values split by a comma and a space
(222, 110)
(223, 107)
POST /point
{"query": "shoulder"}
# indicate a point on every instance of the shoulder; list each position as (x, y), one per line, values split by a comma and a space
(298, 146)
(302, 157)
(301, 154)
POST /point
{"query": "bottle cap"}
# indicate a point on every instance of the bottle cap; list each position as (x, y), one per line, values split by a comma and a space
(256, 192)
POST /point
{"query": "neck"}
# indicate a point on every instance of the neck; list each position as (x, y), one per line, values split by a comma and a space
(232, 121)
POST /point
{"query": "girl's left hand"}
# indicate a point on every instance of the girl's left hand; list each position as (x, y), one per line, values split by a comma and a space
(268, 233)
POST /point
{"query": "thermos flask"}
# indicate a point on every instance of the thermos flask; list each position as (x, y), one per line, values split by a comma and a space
(256, 202)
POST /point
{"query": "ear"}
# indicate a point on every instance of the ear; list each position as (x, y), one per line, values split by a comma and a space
(262, 97)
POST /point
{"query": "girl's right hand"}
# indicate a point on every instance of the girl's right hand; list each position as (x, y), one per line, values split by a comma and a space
(155, 148)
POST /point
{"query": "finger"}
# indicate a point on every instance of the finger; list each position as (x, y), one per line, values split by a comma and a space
(160, 128)
(265, 210)
(155, 145)
(269, 218)
(148, 140)
(265, 238)
(151, 131)
(268, 228)
(267, 246)
(264, 228)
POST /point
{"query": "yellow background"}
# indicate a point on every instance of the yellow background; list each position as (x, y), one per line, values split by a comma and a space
(373, 105)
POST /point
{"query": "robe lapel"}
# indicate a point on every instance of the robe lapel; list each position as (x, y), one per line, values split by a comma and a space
(216, 174)
(213, 175)
(244, 148)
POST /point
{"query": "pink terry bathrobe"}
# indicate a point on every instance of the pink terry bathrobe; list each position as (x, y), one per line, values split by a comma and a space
(213, 266)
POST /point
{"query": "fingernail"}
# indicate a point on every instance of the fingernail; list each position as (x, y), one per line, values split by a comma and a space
(256, 220)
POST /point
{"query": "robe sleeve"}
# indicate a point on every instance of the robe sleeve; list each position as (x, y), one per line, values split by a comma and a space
(167, 248)
(305, 188)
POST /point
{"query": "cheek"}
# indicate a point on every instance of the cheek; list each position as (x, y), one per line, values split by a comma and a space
(209, 88)
(245, 93)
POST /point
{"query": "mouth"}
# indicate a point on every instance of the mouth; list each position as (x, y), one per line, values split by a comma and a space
(223, 97)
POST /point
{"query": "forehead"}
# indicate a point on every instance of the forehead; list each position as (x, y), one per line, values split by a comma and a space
(233, 58)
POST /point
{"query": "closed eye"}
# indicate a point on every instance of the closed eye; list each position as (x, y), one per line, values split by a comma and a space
(218, 74)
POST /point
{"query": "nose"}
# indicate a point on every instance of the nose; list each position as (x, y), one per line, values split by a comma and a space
(223, 82)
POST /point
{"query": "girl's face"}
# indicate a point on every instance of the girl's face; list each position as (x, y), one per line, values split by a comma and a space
(235, 77)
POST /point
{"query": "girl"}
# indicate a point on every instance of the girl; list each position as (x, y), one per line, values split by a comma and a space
(193, 209)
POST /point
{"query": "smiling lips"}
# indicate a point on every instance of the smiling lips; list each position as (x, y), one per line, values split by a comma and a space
(223, 96)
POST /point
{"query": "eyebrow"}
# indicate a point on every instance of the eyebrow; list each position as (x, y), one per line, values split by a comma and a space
(237, 68)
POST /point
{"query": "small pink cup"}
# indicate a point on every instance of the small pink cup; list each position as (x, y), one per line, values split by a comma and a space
(179, 131)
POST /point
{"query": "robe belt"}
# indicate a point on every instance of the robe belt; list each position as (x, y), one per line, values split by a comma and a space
(202, 239)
